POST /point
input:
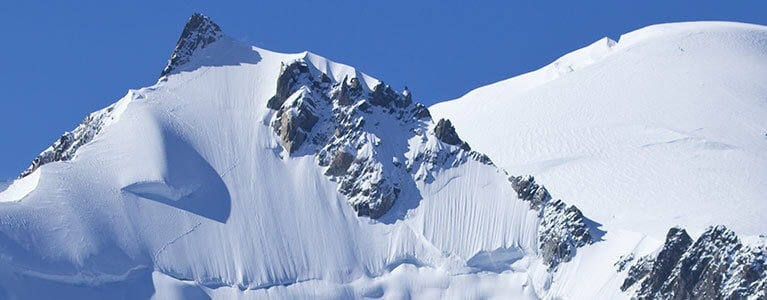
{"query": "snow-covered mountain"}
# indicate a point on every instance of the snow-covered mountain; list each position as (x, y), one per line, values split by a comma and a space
(245, 173)
(664, 127)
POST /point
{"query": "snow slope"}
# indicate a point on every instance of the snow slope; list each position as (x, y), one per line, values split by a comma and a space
(19, 188)
(664, 127)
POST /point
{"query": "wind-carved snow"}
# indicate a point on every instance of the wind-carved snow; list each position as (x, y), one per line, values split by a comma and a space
(580, 58)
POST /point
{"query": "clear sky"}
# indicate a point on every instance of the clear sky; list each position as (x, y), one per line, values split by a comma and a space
(61, 60)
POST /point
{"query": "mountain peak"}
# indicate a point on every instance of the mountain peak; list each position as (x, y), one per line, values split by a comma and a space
(199, 32)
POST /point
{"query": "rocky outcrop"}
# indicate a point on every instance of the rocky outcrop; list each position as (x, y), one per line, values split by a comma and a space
(295, 121)
(291, 76)
(562, 228)
(199, 32)
(369, 190)
(445, 132)
(344, 94)
(654, 272)
(315, 115)
(561, 232)
(408, 95)
(383, 95)
(716, 266)
(346, 127)
(340, 164)
(637, 272)
(421, 112)
(528, 190)
(66, 146)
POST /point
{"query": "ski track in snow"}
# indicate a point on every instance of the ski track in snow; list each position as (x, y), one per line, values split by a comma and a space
(169, 243)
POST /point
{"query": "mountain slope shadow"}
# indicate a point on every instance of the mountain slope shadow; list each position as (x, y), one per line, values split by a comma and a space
(595, 229)
(409, 199)
(189, 183)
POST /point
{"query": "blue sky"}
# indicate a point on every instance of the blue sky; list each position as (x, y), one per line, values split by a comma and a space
(64, 59)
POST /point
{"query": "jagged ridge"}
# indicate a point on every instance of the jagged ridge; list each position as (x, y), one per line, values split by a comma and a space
(347, 128)
(716, 266)
(330, 120)
(66, 146)
(562, 229)
(199, 32)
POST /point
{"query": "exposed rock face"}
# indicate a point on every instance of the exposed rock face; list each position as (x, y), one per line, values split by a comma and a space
(295, 120)
(315, 115)
(445, 132)
(408, 95)
(343, 95)
(561, 232)
(623, 261)
(290, 76)
(562, 229)
(528, 190)
(383, 95)
(422, 112)
(717, 266)
(637, 272)
(199, 32)
(340, 164)
(67, 145)
(660, 268)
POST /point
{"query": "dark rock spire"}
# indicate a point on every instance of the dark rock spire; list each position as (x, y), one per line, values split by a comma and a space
(199, 32)
(445, 132)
